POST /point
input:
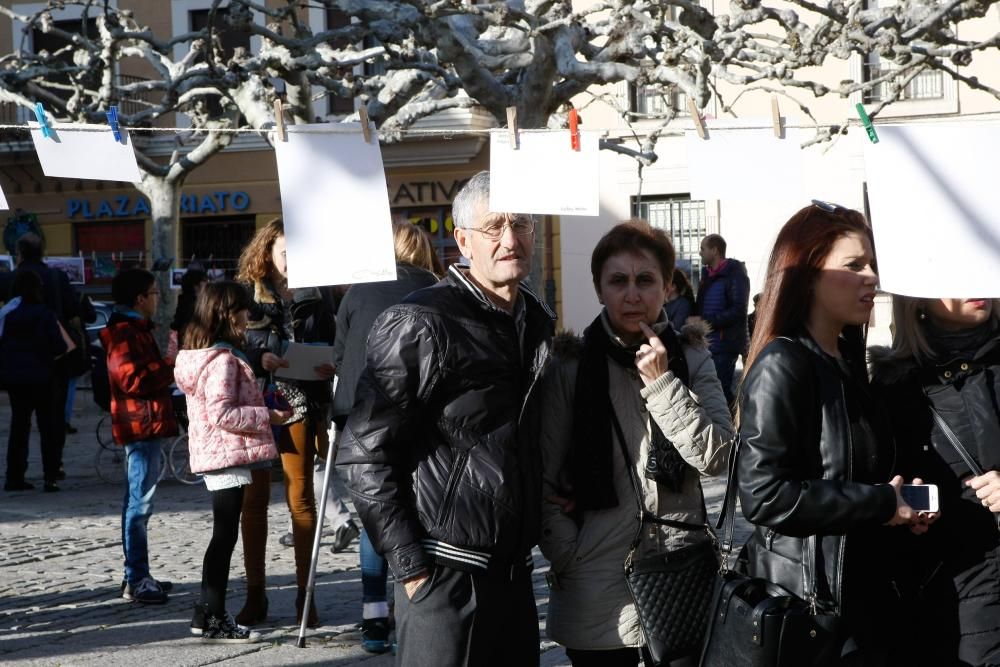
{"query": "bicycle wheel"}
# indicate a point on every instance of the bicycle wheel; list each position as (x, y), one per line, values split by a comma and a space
(110, 464)
(104, 437)
(180, 465)
(164, 465)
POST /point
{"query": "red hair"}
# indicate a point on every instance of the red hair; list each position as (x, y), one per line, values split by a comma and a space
(800, 250)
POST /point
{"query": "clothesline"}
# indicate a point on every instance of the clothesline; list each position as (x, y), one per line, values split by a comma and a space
(335, 128)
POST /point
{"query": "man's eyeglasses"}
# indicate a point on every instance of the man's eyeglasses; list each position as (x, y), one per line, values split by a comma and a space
(521, 225)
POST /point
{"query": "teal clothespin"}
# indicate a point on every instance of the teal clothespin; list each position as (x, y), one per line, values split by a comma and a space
(40, 115)
(112, 115)
(867, 122)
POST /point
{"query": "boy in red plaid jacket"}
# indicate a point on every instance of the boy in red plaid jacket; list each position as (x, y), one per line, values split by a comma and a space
(141, 417)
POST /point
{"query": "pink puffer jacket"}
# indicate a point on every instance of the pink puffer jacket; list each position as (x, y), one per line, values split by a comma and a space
(229, 424)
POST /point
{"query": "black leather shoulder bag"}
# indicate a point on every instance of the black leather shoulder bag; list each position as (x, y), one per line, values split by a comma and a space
(672, 591)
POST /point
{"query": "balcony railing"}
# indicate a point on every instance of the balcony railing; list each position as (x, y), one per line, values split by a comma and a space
(656, 101)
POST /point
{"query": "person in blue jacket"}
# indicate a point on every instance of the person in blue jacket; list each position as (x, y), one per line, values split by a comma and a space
(723, 297)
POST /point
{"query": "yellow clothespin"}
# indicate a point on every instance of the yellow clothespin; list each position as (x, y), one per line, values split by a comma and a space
(363, 117)
(512, 126)
(776, 116)
(279, 120)
(698, 125)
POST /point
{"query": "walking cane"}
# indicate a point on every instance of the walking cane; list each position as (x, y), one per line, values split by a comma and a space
(331, 456)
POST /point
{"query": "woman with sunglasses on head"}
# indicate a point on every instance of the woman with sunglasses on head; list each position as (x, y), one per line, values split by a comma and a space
(816, 457)
(945, 357)
(634, 416)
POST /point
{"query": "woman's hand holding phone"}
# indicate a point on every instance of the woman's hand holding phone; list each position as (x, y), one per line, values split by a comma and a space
(987, 488)
(918, 521)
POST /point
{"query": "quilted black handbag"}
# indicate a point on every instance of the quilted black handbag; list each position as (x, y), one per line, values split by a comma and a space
(756, 623)
(672, 591)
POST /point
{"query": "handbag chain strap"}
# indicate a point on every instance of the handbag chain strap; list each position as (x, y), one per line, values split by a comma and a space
(727, 525)
(645, 516)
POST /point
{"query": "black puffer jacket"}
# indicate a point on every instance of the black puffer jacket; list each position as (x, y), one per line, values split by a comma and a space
(308, 318)
(953, 572)
(441, 464)
(811, 463)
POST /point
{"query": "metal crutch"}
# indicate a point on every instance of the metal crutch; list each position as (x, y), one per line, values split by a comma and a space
(331, 457)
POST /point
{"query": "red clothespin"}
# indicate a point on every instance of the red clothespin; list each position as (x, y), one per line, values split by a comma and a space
(574, 129)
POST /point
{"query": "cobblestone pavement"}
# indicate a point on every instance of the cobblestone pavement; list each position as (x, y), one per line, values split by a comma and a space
(60, 569)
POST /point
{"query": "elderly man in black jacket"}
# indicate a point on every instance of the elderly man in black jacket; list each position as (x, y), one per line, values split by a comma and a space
(442, 470)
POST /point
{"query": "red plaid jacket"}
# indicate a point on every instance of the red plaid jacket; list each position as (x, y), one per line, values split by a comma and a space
(140, 381)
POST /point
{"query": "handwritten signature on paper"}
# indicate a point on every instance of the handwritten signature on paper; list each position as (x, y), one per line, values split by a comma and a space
(371, 273)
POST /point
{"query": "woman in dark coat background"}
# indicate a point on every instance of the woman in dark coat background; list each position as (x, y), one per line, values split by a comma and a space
(417, 266)
(945, 355)
(29, 344)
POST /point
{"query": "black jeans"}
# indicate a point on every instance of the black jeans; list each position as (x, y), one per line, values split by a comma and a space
(621, 657)
(467, 620)
(24, 400)
(226, 505)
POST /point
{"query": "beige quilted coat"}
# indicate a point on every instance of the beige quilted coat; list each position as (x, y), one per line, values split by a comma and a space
(589, 605)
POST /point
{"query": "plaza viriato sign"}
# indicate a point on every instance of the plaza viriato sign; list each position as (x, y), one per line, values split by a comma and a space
(133, 206)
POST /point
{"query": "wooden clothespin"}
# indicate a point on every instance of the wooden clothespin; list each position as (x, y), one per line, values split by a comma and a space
(141, 253)
(191, 261)
(279, 120)
(574, 129)
(696, 118)
(93, 256)
(363, 117)
(512, 127)
(40, 117)
(776, 116)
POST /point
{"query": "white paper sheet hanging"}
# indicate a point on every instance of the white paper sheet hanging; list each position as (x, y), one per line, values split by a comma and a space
(545, 175)
(3, 201)
(932, 193)
(85, 151)
(335, 205)
(744, 164)
(303, 359)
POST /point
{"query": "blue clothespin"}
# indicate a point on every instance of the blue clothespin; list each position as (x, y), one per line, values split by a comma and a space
(112, 115)
(40, 115)
(867, 122)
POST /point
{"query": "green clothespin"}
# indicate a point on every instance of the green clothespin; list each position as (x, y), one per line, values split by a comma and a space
(867, 122)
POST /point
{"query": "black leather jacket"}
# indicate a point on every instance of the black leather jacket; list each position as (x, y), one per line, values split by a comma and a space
(799, 461)
(440, 463)
(309, 318)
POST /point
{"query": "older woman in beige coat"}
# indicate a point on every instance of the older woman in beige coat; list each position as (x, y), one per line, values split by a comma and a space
(622, 370)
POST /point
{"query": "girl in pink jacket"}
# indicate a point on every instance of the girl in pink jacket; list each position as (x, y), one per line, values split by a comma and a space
(229, 433)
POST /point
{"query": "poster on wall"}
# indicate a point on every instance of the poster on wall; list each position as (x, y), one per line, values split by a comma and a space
(177, 278)
(335, 206)
(933, 209)
(71, 266)
(85, 151)
(544, 174)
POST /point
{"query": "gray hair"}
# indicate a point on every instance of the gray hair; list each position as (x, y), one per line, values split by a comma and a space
(908, 337)
(474, 193)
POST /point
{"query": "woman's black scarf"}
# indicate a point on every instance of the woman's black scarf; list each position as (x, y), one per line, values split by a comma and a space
(591, 455)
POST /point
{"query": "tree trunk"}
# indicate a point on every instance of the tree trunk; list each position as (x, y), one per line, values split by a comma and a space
(164, 203)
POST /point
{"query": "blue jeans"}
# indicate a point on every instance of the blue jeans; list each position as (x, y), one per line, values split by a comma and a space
(142, 462)
(725, 368)
(374, 570)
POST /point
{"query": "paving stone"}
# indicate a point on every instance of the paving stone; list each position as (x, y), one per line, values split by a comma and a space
(61, 566)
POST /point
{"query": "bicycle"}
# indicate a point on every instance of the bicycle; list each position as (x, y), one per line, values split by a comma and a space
(109, 460)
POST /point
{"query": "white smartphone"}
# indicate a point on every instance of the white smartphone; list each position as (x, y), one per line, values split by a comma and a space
(921, 497)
